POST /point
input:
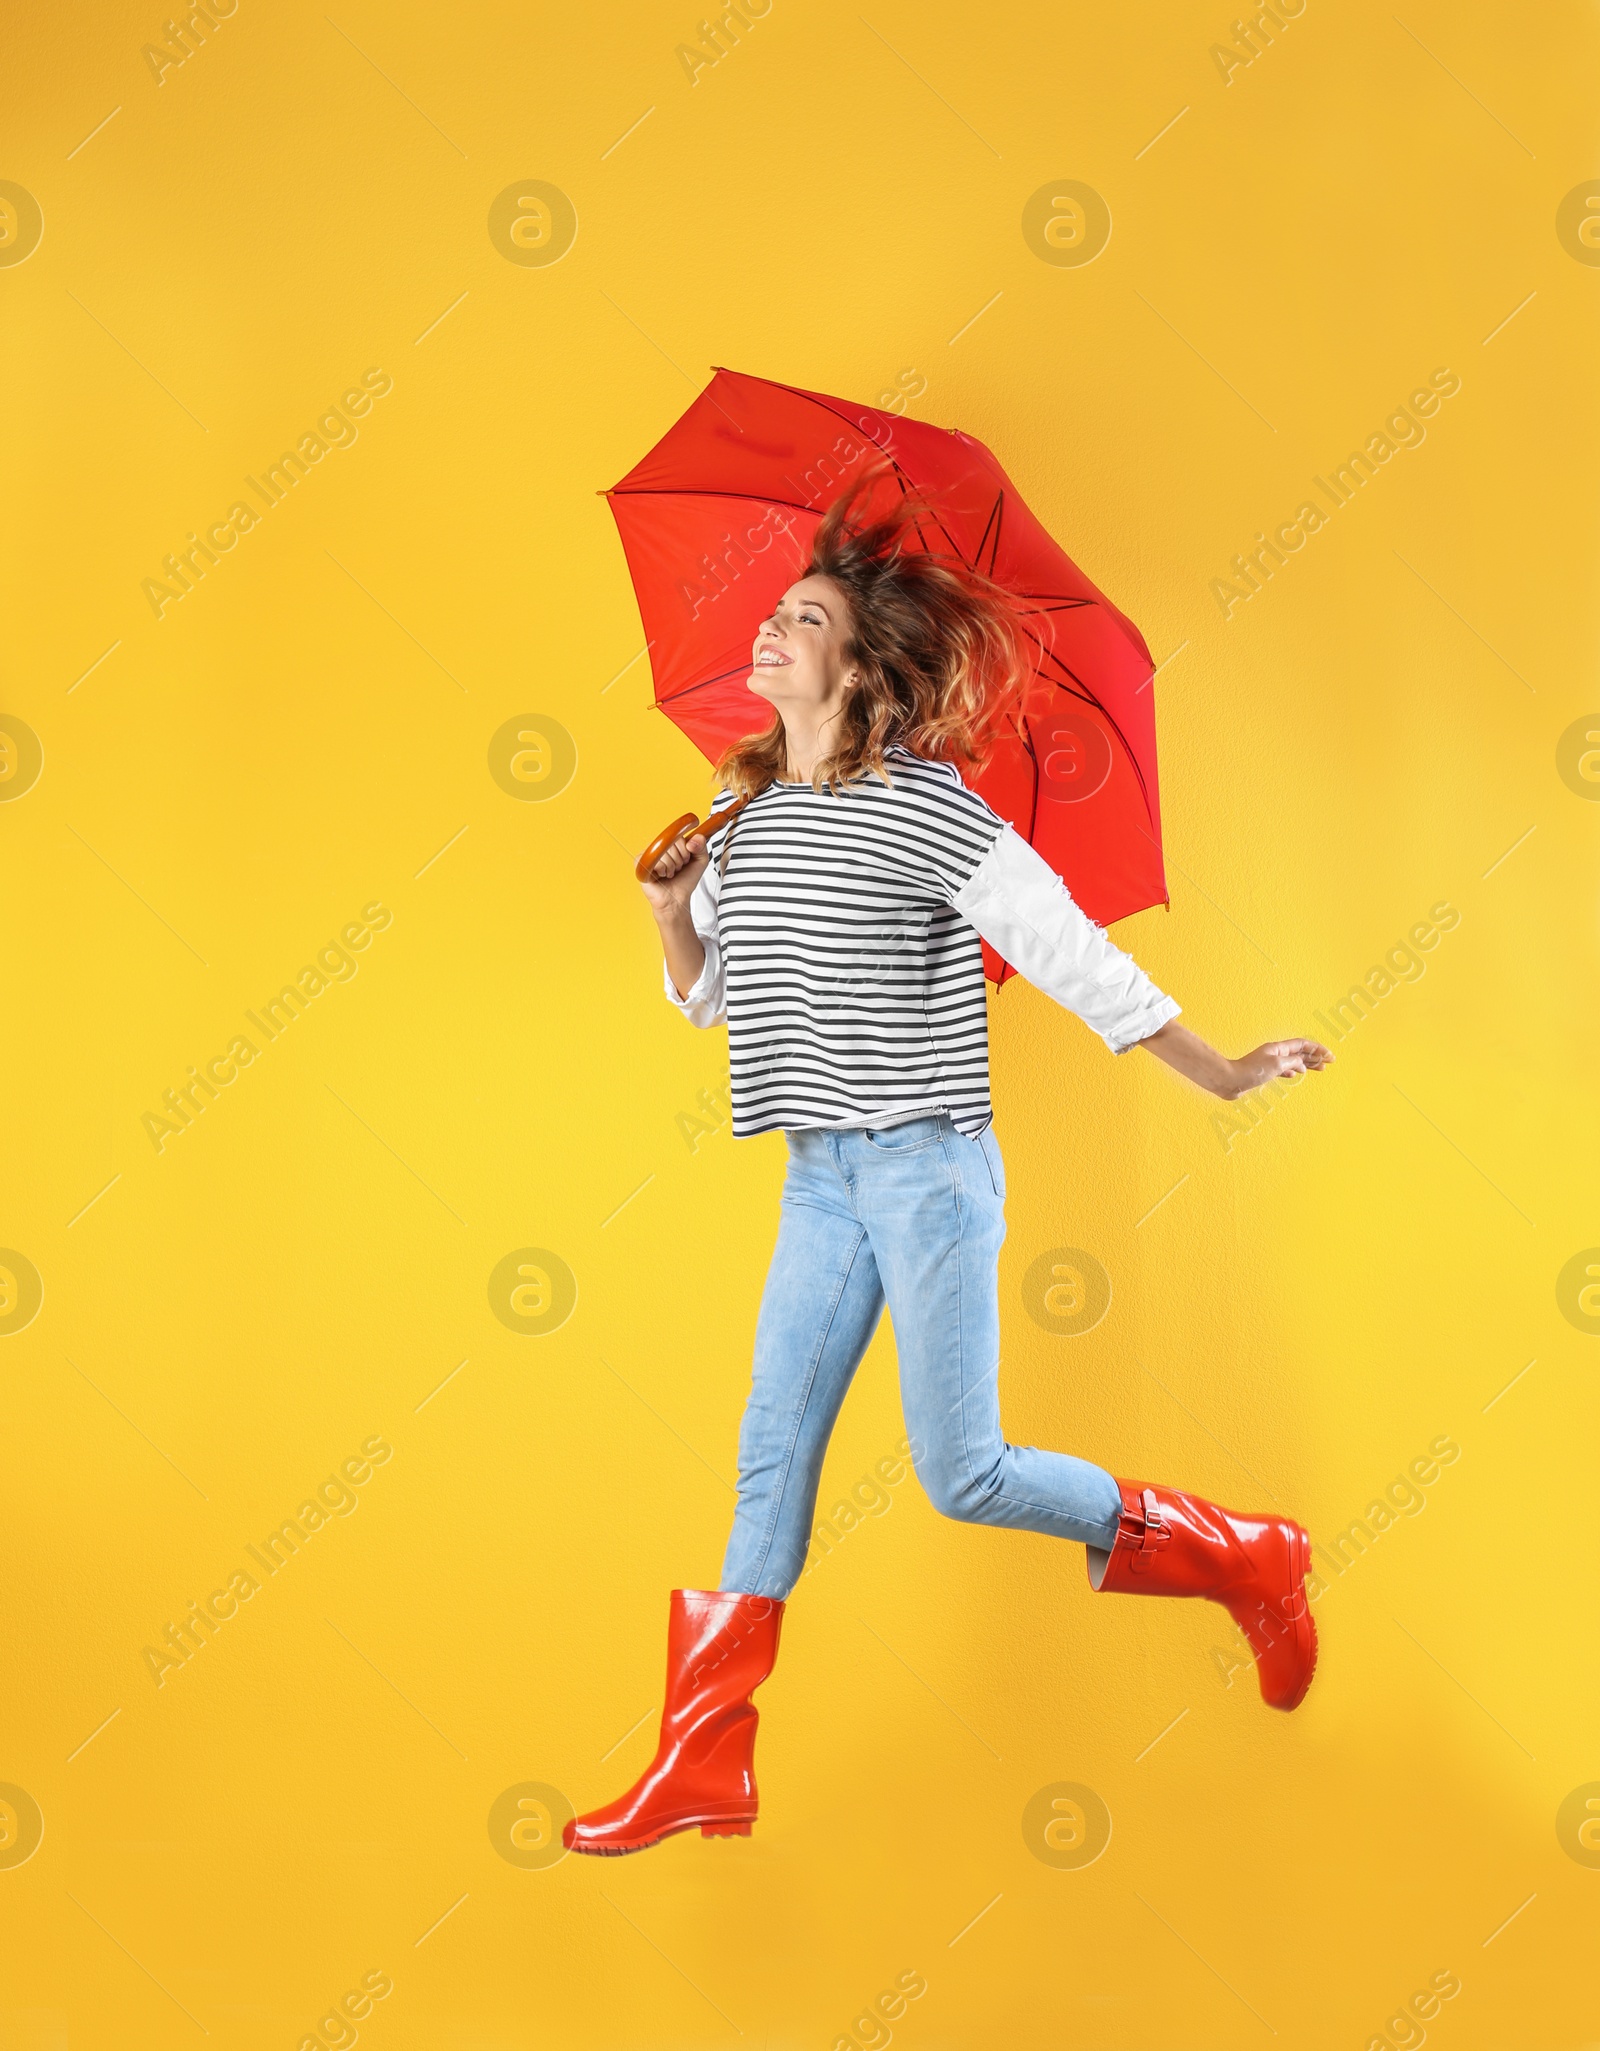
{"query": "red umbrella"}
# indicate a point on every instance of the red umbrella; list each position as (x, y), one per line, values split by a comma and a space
(717, 519)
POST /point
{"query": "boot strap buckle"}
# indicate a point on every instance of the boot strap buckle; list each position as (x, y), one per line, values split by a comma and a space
(1154, 1532)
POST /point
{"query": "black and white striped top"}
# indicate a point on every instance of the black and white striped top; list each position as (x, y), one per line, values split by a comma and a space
(843, 948)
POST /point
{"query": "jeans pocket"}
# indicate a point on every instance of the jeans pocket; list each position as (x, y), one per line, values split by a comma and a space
(912, 1138)
(994, 1160)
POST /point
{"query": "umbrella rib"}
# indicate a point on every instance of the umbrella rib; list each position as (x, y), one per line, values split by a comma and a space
(705, 683)
(817, 399)
(1083, 691)
(761, 498)
(1050, 655)
(836, 412)
(988, 527)
(1033, 817)
(991, 526)
(833, 410)
(828, 407)
(906, 490)
(685, 491)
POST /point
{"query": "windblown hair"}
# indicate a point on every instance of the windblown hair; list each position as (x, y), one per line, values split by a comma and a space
(937, 646)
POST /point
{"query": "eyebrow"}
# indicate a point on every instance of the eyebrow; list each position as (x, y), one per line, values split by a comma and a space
(817, 602)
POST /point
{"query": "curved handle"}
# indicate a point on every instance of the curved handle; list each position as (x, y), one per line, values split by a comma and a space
(686, 825)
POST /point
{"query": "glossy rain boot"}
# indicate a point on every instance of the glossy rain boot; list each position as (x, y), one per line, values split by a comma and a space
(1169, 1543)
(720, 1648)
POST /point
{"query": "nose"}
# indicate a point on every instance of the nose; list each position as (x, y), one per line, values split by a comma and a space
(770, 630)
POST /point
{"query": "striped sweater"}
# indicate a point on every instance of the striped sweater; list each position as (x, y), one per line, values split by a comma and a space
(843, 937)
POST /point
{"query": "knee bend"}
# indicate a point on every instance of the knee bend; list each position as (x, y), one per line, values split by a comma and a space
(959, 1493)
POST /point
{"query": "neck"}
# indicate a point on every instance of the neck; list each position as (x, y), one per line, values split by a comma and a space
(808, 737)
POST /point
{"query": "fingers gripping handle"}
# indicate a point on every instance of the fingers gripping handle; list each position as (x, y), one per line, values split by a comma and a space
(684, 826)
(660, 844)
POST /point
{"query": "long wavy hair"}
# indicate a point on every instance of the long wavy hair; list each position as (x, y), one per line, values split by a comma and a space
(938, 649)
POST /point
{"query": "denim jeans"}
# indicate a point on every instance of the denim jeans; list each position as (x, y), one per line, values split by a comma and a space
(913, 1215)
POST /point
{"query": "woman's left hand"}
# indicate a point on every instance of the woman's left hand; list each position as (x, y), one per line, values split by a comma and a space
(1277, 1057)
(1191, 1056)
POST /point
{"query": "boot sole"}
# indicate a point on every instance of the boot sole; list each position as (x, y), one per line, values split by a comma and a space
(707, 1827)
(1305, 1628)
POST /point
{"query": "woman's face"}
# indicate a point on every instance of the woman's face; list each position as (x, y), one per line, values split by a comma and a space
(799, 648)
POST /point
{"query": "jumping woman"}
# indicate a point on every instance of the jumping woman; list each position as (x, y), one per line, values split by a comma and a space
(835, 926)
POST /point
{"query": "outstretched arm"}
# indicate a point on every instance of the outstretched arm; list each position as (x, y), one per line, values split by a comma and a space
(1029, 917)
(1023, 909)
(1191, 1056)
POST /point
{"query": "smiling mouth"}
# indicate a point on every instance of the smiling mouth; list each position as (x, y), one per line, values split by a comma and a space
(770, 658)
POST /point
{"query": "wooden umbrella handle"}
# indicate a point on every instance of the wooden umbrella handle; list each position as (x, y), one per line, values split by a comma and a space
(685, 826)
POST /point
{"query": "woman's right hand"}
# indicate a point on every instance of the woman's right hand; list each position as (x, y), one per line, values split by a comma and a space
(670, 884)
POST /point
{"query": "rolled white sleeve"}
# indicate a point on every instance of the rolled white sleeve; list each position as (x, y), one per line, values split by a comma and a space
(1026, 913)
(706, 1004)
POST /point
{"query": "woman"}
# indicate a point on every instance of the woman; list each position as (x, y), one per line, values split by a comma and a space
(836, 927)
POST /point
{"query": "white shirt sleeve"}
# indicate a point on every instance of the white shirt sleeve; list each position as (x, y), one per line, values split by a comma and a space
(1026, 913)
(707, 1002)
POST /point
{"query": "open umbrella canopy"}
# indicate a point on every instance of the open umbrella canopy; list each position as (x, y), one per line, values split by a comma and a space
(717, 520)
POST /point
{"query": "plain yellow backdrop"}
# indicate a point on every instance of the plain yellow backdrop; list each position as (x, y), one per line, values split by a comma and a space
(230, 1844)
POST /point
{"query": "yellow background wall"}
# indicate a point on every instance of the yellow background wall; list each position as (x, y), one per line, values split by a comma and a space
(1323, 1293)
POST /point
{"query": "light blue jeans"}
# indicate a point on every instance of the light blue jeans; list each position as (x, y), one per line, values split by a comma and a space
(914, 1216)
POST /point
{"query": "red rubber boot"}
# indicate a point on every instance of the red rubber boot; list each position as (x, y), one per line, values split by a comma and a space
(1169, 1543)
(720, 1648)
